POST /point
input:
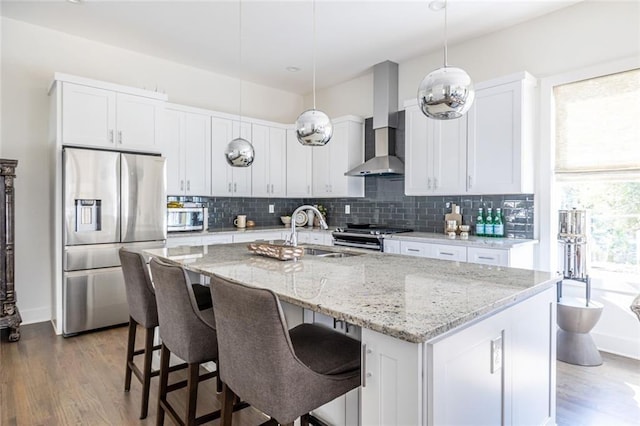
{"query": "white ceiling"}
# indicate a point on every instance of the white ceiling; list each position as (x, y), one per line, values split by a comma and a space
(352, 35)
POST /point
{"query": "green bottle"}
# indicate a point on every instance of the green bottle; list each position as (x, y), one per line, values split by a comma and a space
(480, 223)
(498, 225)
(488, 223)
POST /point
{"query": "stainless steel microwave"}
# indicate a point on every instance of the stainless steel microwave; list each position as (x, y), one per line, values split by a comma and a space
(187, 219)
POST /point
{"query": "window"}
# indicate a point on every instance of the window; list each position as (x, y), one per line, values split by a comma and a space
(598, 167)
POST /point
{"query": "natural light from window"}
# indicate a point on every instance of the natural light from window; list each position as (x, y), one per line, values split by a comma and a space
(597, 124)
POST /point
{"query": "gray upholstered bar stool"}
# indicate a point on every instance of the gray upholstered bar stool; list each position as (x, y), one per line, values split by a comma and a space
(283, 373)
(143, 311)
(187, 332)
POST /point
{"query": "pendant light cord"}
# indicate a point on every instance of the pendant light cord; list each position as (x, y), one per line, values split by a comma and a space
(240, 62)
(314, 52)
(445, 33)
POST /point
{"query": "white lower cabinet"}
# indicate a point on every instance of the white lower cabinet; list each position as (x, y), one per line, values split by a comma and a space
(500, 370)
(315, 237)
(392, 383)
(515, 257)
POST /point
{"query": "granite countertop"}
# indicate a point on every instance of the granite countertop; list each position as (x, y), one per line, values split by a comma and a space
(410, 298)
(472, 241)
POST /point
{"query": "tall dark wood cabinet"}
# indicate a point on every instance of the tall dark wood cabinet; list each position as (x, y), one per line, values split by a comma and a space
(9, 314)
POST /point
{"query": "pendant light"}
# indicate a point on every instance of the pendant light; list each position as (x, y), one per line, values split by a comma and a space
(446, 93)
(313, 127)
(239, 152)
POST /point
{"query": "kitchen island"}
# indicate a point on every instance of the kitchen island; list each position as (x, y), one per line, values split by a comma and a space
(443, 342)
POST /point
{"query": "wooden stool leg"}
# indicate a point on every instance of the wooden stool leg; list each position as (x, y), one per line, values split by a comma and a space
(192, 393)
(146, 372)
(228, 400)
(130, 349)
(304, 420)
(164, 380)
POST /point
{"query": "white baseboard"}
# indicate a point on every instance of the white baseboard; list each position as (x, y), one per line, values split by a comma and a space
(629, 348)
(32, 316)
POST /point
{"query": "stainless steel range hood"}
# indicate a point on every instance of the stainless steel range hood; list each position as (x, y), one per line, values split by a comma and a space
(385, 121)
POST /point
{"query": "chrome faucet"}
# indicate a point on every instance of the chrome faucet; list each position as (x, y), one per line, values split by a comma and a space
(293, 238)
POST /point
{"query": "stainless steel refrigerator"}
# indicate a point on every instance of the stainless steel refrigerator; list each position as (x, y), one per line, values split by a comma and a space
(111, 200)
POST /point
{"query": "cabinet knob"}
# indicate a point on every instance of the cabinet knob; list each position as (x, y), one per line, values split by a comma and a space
(120, 136)
(435, 183)
(111, 136)
(470, 184)
(182, 185)
(428, 183)
(235, 187)
(188, 185)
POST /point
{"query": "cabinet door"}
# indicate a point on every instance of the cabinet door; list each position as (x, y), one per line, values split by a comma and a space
(172, 141)
(241, 175)
(339, 160)
(448, 156)
(197, 154)
(260, 166)
(468, 376)
(221, 173)
(392, 383)
(299, 166)
(277, 162)
(321, 170)
(137, 122)
(494, 140)
(88, 116)
(418, 179)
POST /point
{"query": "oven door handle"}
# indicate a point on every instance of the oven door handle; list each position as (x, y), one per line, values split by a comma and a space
(358, 245)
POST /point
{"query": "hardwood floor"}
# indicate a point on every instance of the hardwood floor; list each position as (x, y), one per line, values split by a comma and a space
(605, 395)
(49, 380)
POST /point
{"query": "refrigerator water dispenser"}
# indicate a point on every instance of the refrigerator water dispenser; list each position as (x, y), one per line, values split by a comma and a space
(88, 213)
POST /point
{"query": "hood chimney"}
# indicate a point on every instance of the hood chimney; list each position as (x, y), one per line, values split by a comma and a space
(385, 121)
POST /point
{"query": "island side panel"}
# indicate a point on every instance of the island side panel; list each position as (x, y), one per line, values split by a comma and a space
(498, 370)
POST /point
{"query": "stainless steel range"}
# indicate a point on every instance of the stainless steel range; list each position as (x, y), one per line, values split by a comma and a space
(367, 236)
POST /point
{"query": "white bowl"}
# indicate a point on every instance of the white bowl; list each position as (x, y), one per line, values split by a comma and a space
(286, 220)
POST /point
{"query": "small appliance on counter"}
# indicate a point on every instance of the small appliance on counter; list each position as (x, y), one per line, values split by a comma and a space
(180, 219)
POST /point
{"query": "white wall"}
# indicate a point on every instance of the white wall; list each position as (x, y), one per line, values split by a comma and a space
(585, 34)
(30, 56)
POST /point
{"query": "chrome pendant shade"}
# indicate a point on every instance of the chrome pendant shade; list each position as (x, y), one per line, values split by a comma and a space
(446, 93)
(314, 128)
(239, 153)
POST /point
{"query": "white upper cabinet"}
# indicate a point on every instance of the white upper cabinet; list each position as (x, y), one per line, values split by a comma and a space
(187, 145)
(344, 151)
(299, 164)
(268, 174)
(435, 154)
(99, 117)
(226, 180)
(500, 154)
(488, 151)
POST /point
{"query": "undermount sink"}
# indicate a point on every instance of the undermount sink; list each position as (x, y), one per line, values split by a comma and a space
(328, 253)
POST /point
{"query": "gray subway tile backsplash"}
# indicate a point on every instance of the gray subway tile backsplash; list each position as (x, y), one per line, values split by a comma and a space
(384, 203)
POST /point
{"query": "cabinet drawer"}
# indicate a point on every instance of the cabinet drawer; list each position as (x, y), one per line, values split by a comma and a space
(448, 252)
(411, 248)
(494, 257)
(217, 239)
(183, 241)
